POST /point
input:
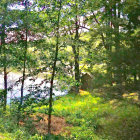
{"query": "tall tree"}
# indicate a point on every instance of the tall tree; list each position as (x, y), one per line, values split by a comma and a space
(4, 48)
(54, 66)
(75, 48)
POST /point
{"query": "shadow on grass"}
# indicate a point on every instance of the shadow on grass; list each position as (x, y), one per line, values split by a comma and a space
(53, 137)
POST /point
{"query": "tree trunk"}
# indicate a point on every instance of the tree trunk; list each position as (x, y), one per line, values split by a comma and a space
(76, 53)
(53, 72)
(5, 88)
(109, 45)
(117, 46)
(24, 64)
(5, 66)
(77, 71)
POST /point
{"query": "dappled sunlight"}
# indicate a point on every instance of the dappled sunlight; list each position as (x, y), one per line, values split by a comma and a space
(69, 70)
(104, 116)
(82, 93)
(70, 104)
(91, 114)
(113, 101)
(132, 96)
(1, 136)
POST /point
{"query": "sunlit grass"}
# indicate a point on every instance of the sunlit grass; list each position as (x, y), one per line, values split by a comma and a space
(91, 116)
(5, 136)
(82, 93)
(94, 117)
(132, 96)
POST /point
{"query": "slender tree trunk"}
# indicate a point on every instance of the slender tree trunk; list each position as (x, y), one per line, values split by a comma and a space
(24, 64)
(109, 45)
(76, 54)
(117, 45)
(23, 75)
(5, 66)
(24, 68)
(53, 72)
(5, 88)
(77, 71)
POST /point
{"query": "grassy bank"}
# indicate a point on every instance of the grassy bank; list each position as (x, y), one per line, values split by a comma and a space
(97, 118)
(90, 116)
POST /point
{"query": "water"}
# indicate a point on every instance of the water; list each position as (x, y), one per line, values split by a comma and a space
(15, 88)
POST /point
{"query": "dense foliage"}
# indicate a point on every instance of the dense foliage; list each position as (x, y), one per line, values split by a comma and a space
(70, 45)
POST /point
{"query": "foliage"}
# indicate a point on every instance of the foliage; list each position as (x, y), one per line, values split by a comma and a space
(60, 41)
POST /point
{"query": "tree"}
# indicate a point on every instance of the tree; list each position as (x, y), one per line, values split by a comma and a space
(5, 20)
(54, 66)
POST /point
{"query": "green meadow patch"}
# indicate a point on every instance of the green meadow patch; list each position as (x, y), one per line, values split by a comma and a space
(93, 117)
(89, 117)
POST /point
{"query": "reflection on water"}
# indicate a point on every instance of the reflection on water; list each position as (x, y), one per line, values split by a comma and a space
(15, 86)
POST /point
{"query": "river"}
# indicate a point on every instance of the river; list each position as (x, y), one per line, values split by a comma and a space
(15, 88)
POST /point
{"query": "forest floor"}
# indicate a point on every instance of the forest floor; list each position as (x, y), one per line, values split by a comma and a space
(1, 137)
(98, 115)
(58, 124)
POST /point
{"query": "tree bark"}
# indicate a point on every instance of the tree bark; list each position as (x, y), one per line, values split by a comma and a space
(53, 72)
(77, 71)
(117, 46)
(76, 53)
(5, 66)
(24, 62)
(5, 87)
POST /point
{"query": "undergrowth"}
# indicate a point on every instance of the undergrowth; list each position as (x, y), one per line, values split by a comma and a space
(95, 118)
(91, 117)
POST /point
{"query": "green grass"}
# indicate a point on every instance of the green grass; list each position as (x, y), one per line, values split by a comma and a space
(94, 118)
(91, 117)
